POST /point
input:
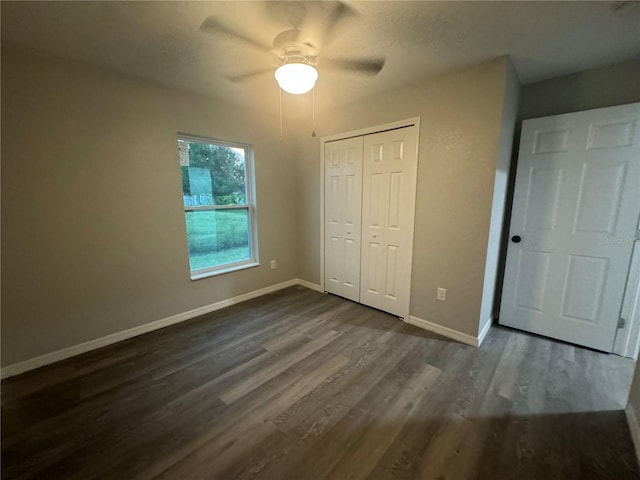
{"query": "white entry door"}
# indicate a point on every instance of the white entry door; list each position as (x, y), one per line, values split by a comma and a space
(343, 212)
(574, 220)
(389, 189)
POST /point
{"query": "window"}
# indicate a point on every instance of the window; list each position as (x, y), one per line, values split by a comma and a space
(218, 207)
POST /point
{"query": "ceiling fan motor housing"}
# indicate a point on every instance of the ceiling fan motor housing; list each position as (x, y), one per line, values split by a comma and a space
(286, 46)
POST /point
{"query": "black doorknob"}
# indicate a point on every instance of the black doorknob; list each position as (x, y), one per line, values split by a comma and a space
(516, 239)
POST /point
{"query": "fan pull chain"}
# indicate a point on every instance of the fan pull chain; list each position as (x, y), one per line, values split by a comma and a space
(313, 115)
(280, 114)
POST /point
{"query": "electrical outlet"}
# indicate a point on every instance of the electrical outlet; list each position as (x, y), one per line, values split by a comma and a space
(273, 264)
(442, 294)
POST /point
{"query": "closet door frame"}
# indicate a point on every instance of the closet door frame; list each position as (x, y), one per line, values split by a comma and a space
(409, 122)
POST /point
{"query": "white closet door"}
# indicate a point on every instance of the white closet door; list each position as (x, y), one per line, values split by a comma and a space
(389, 190)
(342, 217)
(574, 220)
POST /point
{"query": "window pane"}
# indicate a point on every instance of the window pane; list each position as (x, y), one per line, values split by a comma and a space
(215, 174)
(212, 174)
(218, 237)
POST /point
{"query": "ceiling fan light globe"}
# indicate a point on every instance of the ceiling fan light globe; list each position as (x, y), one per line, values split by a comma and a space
(296, 78)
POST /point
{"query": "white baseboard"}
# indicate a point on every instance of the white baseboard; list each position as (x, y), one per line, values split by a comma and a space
(634, 427)
(42, 360)
(484, 331)
(445, 331)
(309, 285)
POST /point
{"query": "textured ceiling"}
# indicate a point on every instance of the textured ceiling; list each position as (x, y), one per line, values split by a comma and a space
(163, 42)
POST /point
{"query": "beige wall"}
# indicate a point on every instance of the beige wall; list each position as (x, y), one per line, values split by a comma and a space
(93, 237)
(595, 88)
(461, 118)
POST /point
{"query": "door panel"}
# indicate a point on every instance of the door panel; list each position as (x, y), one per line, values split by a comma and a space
(391, 272)
(373, 254)
(584, 288)
(599, 197)
(611, 134)
(343, 213)
(389, 187)
(531, 289)
(376, 197)
(576, 205)
(395, 200)
(553, 140)
(543, 195)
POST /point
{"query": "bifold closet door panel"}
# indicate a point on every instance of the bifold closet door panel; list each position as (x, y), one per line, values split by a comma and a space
(342, 217)
(388, 210)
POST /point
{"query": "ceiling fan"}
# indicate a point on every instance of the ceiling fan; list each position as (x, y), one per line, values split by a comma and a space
(298, 58)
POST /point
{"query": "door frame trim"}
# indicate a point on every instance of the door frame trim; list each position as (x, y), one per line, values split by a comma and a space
(409, 122)
(627, 339)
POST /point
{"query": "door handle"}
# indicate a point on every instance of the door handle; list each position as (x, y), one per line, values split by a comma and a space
(516, 239)
(375, 236)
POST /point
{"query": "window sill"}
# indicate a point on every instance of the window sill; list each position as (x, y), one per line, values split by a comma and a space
(220, 271)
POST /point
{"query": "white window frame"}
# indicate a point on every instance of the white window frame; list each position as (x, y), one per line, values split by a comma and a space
(250, 206)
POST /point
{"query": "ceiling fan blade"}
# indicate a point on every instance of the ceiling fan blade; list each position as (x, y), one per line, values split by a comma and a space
(367, 67)
(213, 25)
(288, 12)
(339, 13)
(246, 76)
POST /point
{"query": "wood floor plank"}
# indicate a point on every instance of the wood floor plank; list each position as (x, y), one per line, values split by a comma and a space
(314, 418)
(299, 384)
(361, 458)
(230, 444)
(504, 378)
(251, 382)
(451, 396)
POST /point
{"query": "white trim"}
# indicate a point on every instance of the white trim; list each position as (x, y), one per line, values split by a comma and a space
(446, 331)
(309, 285)
(209, 272)
(357, 133)
(634, 428)
(485, 330)
(322, 142)
(627, 341)
(48, 358)
(369, 130)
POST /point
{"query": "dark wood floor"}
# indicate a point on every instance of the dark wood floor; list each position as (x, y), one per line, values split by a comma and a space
(300, 385)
